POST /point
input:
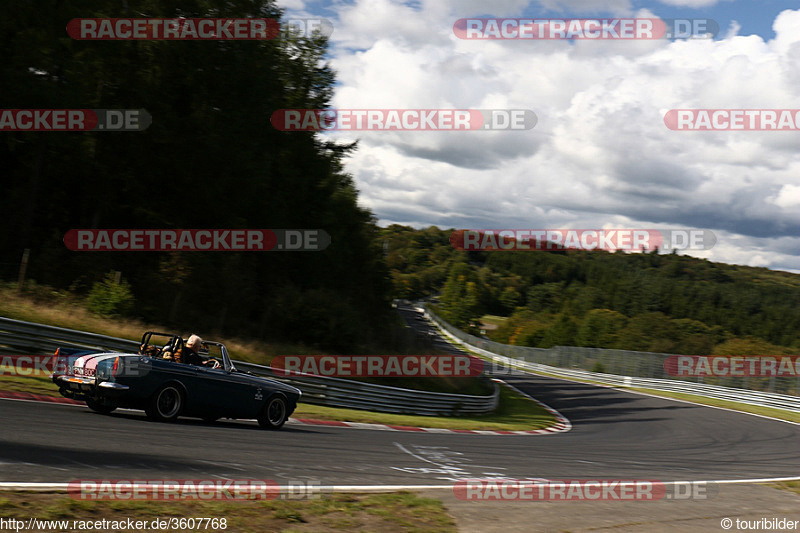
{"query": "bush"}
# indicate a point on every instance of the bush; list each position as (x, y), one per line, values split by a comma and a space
(109, 298)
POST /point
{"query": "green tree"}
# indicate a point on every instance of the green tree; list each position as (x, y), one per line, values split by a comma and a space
(510, 299)
(210, 159)
(600, 328)
(453, 300)
(546, 297)
(561, 333)
(110, 297)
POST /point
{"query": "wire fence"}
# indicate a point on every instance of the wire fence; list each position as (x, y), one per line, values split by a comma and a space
(616, 362)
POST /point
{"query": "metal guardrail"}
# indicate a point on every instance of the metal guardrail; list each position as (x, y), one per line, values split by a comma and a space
(750, 397)
(618, 362)
(337, 392)
(27, 337)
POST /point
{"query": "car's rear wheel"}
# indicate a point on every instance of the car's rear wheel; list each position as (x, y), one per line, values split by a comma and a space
(274, 414)
(166, 404)
(99, 407)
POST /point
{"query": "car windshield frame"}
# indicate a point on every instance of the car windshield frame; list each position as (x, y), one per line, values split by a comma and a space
(227, 364)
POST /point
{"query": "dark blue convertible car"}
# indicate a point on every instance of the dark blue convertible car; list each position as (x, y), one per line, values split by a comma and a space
(154, 380)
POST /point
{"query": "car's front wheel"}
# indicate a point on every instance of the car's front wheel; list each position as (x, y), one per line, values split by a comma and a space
(166, 404)
(99, 407)
(274, 414)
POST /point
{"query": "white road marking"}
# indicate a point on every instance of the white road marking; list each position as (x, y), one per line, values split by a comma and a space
(62, 487)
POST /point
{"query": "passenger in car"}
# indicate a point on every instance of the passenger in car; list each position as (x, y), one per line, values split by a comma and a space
(150, 350)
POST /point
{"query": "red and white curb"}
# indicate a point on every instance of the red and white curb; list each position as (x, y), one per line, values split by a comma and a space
(561, 425)
(30, 397)
(557, 428)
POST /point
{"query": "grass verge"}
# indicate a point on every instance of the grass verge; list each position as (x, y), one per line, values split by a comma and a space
(780, 414)
(393, 512)
(33, 385)
(789, 416)
(791, 486)
(494, 320)
(60, 308)
(515, 412)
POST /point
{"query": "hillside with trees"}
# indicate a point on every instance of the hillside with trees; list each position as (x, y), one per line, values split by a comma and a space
(210, 159)
(635, 301)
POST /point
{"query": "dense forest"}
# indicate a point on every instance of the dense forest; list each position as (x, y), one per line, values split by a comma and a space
(660, 302)
(210, 159)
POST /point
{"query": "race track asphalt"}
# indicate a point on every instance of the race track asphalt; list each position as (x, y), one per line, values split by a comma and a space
(615, 434)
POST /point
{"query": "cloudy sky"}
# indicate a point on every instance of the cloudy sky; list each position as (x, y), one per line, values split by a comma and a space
(600, 155)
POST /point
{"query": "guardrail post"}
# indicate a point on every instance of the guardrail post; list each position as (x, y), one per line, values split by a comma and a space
(23, 268)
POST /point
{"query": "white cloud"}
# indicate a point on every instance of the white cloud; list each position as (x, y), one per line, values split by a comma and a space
(294, 5)
(368, 22)
(600, 152)
(788, 197)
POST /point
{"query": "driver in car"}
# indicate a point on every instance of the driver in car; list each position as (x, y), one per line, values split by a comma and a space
(189, 354)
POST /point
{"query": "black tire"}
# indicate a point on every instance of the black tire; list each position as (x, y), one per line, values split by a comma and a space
(274, 413)
(98, 407)
(166, 404)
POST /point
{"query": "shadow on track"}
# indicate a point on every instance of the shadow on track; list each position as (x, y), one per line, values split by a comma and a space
(58, 456)
(590, 404)
(242, 425)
